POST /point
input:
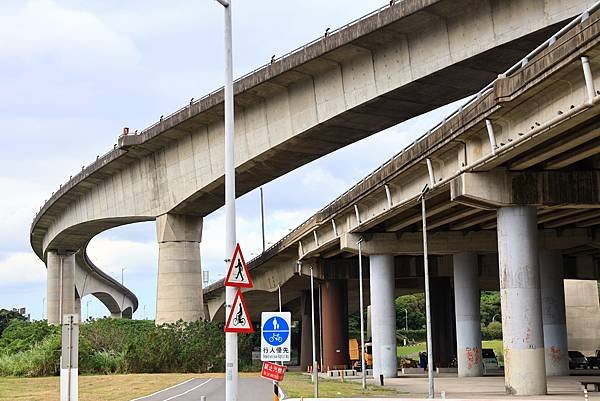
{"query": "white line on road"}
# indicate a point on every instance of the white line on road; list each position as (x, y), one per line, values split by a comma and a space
(188, 391)
(163, 390)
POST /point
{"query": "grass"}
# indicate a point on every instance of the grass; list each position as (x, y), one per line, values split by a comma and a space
(298, 385)
(92, 388)
(412, 351)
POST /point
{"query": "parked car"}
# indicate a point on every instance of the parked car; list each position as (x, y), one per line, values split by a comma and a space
(577, 360)
(594, 361)
(490, 362)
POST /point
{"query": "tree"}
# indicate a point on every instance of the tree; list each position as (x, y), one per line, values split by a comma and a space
(415, 307)
(7, 316)
(490, 306)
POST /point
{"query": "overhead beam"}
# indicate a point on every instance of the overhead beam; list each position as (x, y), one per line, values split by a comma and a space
(451, 242)
(473, 221)
(493, 189)
(431, 211)
(573, 156)
(556, 147)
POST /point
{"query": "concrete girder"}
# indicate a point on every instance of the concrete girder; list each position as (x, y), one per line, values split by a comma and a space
(452, 242)
(490, 190)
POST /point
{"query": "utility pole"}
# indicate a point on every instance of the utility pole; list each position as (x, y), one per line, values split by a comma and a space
(231, 351)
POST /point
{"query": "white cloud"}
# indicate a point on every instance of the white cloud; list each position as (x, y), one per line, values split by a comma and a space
(138, 258)
(41, 29)
(21, 268)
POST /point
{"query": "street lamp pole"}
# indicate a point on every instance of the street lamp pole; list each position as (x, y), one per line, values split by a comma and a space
(430, 366)
(231, 351)
(87, 307)
(406, 320)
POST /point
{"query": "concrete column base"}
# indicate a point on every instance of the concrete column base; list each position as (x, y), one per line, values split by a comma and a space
(179, 288)
(523, 337)
(468, 326)
(383, 315)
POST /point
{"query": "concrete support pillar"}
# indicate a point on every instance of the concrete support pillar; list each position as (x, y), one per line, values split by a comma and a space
(179, 287)
(468, 322)
(553, 313)
(61, 282)
(334, 299)
(306, 331)
(383, 315)
(523, 337)
(443, 321)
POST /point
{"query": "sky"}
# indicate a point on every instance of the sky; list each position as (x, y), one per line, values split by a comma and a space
(73, 74)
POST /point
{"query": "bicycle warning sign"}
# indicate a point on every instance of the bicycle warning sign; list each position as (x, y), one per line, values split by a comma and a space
(275, 336)
(239, 318)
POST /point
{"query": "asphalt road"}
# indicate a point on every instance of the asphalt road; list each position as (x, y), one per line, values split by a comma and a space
(250, 389)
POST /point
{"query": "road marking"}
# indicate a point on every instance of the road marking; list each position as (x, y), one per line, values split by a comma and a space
(188, 391)
(164, 389)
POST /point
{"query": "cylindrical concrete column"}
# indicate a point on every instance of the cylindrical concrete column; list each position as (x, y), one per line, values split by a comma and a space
(61, 273)
(179, 287)
(525, 370)
(383, 315)
(334, 299)
(468, 322)
(553, 313)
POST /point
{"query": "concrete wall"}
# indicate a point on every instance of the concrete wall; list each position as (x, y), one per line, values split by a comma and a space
(583, 315)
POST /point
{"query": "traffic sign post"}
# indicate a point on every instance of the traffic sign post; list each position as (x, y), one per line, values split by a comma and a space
(239, 318)
(275, 344)
(237, 275)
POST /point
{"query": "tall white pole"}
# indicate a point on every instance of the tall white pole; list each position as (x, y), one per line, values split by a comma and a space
(231, 351)
(427, 302)
(362, 318)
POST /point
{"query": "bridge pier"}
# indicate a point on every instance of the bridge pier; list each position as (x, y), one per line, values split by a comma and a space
(306, 331)
(554, 313)
(523, 337)
(443, 321)
(179, 287)
(468, 322)
(334, 299)
(383, 315)
(60, 264)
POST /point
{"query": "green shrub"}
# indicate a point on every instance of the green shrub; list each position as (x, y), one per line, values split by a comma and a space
(493, 331)
(43, 359)
(412, 335)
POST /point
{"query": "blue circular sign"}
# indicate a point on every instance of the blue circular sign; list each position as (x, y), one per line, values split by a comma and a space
(275, 331)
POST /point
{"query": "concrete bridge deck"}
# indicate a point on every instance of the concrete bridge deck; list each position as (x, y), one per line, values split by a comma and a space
(399, 62)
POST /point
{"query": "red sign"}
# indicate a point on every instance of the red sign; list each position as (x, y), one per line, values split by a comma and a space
(238, 275)
(272, 371)
(239, 318)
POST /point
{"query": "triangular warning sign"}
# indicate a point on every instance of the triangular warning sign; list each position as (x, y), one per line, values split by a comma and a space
(239, 318)
(238, 275)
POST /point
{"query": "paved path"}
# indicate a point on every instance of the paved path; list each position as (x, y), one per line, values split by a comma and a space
(250, 389)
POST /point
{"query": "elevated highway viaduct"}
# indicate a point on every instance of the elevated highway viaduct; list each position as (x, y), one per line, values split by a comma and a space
(512, 189)
(389, 66)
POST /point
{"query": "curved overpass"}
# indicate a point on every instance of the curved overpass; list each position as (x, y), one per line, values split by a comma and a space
(387, 67)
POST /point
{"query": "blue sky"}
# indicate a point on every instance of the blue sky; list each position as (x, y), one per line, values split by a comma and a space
(73, 73)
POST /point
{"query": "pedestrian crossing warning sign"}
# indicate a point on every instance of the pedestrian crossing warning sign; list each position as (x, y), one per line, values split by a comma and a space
(238, 275)
(239, 318)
